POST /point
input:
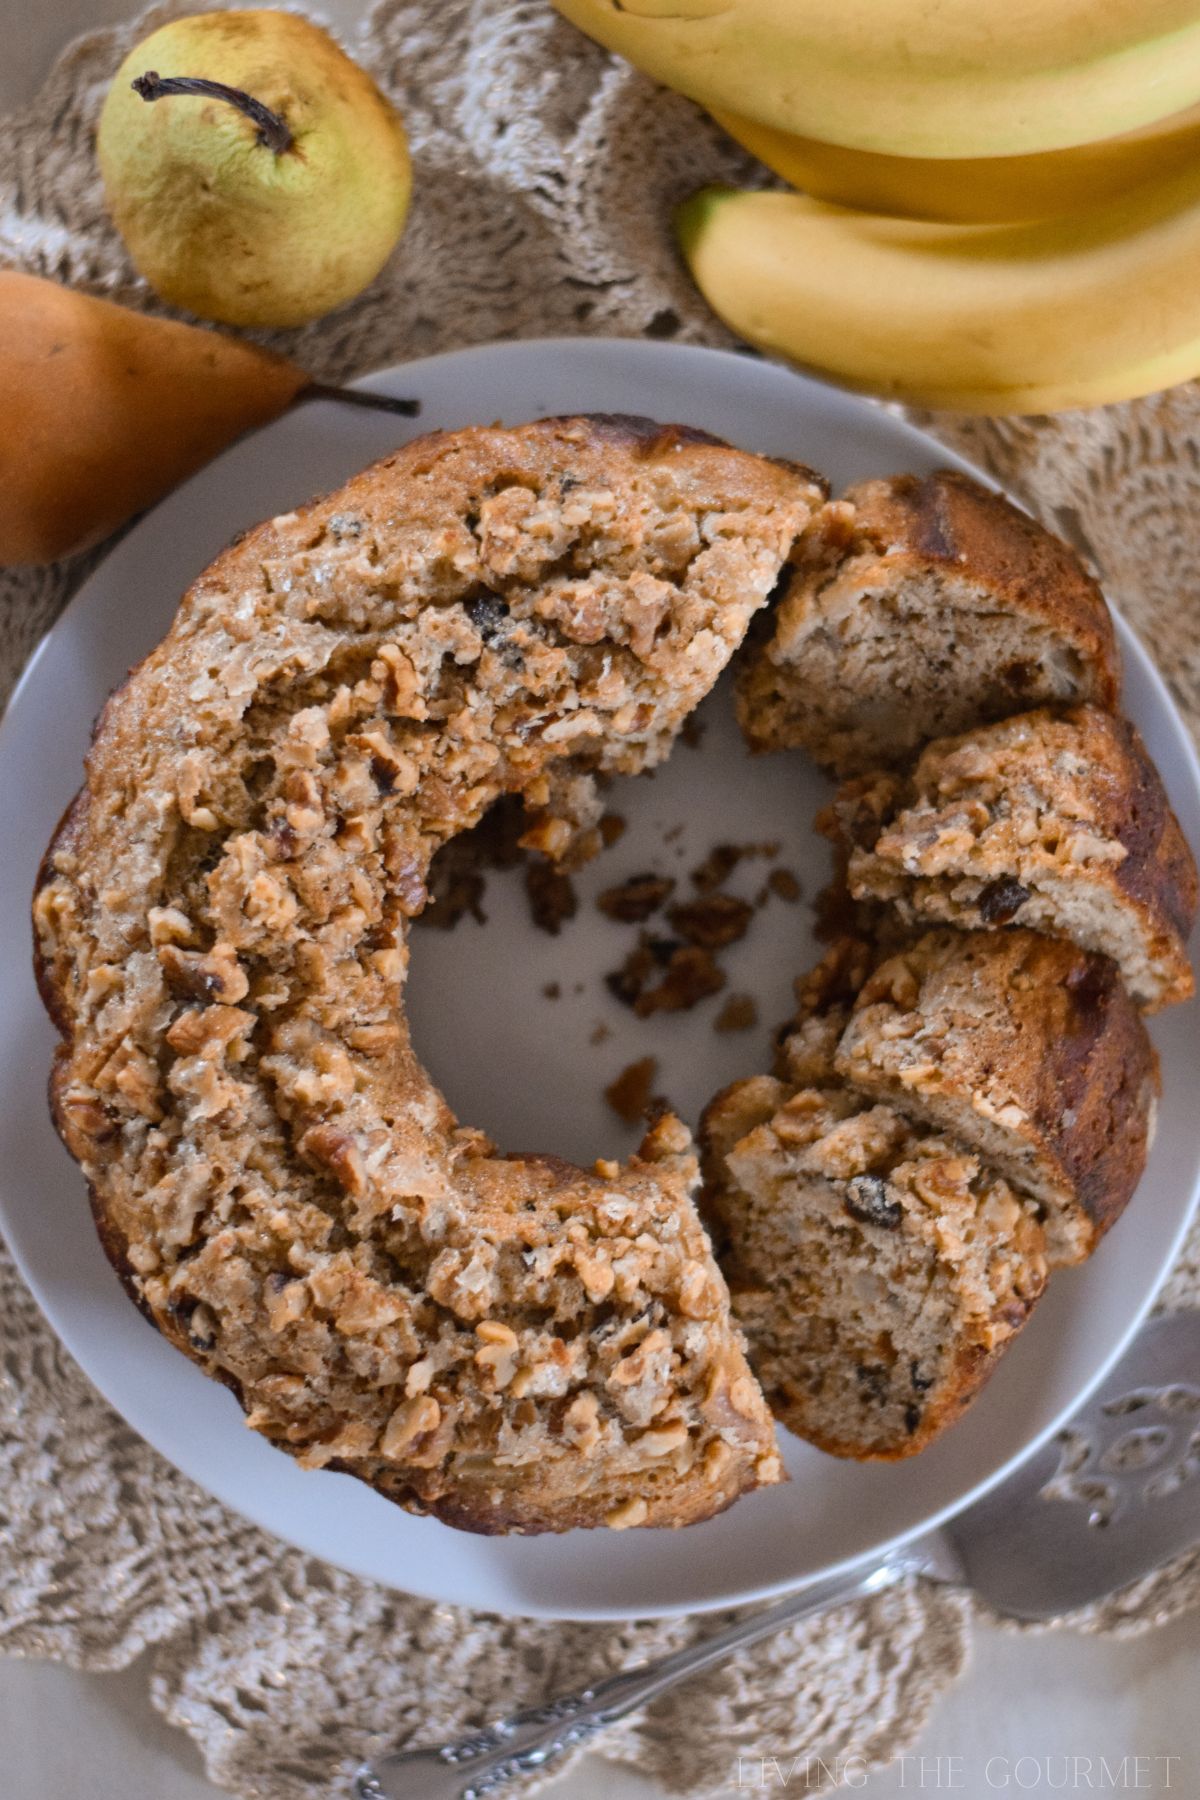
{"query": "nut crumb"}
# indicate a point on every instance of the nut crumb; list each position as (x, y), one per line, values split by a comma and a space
(712, 921)
(632, 1512)
(716, 868)
(689, 975)
(723, 859)
(632, 901)
(739, 1013)
(692, 975)
(552, 897)
(784, 885)
(626, 983)
(630, 1094)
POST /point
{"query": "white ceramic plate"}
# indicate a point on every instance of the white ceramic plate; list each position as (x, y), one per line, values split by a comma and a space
(523, 1065)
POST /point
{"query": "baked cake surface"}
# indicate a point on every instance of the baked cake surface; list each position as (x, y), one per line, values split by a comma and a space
(510, 1343)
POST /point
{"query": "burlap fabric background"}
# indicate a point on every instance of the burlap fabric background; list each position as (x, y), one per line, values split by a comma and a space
(545, 174)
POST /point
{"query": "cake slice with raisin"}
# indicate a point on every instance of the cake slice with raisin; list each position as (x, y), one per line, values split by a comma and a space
(877, 1268)
(920, 606)
(1056, 822)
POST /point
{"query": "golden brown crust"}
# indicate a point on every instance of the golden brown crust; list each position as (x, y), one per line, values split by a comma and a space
(509, 1344)
(1159, 871)
(949, 521)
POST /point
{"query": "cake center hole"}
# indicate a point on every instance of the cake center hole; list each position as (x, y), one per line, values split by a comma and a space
(524, 1028)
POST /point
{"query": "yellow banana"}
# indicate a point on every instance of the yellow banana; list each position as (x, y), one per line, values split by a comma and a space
(946, 78)
(1037, 317)
(973, 190)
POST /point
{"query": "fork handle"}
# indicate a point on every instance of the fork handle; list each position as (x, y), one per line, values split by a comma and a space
(496, 1755)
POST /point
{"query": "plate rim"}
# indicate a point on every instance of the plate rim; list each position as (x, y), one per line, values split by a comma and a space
(1133, 651)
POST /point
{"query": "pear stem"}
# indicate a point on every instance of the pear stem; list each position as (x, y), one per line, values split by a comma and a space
(273, 130)
(389, 403)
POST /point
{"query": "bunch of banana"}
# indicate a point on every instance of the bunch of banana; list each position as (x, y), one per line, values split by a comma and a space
(946, 78)
(1001, 205)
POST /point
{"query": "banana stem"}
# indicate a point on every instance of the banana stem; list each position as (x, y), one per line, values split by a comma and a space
(273, 131)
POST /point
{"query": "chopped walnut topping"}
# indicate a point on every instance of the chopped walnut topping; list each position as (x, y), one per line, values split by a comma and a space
(336, 1151)
(170, 926)
(205, 975)
(224, 931)
(499, 1350)
(695, 1291)
(494, 1331)
(630, 1513)
(663, 1440)
(286, 1302)
(894, 981)
(130, 1072)
(412, 1420)
(581, 1422)
(210, 1029)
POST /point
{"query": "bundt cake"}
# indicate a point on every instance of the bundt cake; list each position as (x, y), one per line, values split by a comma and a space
(1057, 822)
(510, 1343)
(922, 606)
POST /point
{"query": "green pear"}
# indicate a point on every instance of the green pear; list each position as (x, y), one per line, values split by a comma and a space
(257, 175)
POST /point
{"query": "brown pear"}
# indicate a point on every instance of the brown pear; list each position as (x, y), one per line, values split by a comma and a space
(105, 410)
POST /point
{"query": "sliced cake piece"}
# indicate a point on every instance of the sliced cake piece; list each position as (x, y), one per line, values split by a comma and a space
(1026, 1050)
(1060, 823)
(921, 606)
(877, 1269)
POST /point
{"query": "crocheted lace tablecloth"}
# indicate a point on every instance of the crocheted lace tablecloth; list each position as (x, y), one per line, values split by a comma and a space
(545, 175)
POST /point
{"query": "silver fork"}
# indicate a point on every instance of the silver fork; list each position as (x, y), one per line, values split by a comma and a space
(1115, 1495)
